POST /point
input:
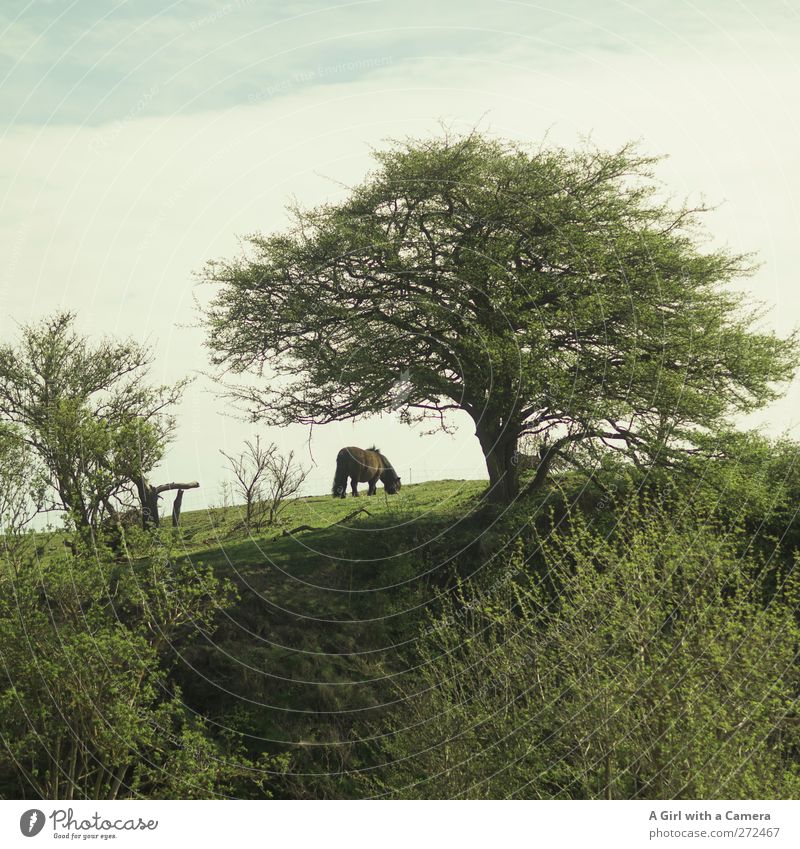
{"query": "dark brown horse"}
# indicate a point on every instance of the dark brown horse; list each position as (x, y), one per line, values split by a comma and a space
(363, 467)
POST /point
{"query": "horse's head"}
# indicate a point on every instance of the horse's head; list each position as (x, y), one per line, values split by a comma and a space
(391, 485)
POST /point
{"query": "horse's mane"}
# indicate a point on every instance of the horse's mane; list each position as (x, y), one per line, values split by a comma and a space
(387, 466)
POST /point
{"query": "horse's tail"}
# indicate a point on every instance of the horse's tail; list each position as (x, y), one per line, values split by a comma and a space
(340, 478)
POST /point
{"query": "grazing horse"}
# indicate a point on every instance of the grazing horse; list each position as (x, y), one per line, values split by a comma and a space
(363, 467)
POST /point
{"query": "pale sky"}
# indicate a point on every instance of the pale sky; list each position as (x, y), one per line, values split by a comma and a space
(140, 139)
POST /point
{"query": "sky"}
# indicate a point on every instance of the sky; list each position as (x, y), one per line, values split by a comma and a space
(141, 139)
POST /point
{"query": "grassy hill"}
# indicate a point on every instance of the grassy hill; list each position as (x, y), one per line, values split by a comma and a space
(330, 603)
(353, 645)
(321, 638)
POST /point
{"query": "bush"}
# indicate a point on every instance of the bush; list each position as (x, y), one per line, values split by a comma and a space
(655, 662)
(87, 706)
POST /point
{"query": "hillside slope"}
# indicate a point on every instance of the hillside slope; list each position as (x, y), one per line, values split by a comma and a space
(416, 646)
(323, 611)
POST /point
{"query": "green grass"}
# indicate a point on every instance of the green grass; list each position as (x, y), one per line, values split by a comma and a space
(331, 602)
(334, 554)
(204, 528)
(324, 628)
(323, 612)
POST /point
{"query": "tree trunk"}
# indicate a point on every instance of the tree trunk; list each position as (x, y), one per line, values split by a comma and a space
(546, 457)
(149, 494)
(110, 509)
(500, 452)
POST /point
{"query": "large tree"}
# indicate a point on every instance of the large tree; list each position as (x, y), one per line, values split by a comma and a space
(91, 414)
(550, 294)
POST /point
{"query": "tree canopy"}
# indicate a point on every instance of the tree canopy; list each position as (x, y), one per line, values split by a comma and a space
(88, 411)
(549, 293)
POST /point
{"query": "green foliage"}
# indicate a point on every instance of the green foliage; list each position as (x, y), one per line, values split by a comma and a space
(21, 496)
(87, 412)
(548, 293)
(632, 645)
(87, 705)
(756, 481)
(658, 662)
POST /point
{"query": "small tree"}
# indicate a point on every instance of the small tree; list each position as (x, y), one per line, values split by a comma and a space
(87, 705)
(250, 468)
(90, 414)
(545, 292)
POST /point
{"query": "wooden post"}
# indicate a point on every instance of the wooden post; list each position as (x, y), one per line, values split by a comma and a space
(176, 509)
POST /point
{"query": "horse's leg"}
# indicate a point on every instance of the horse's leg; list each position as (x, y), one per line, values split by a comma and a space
(372, 487)
(354, 485)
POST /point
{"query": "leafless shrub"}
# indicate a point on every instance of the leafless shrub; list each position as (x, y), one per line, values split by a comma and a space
(284, 479)
(250, 469)
(264, 479)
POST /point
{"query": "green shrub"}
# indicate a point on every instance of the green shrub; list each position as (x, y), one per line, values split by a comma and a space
(87, 705)
(654, 662)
